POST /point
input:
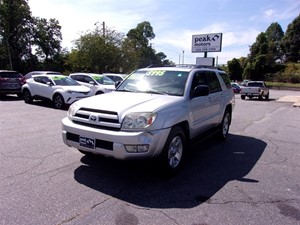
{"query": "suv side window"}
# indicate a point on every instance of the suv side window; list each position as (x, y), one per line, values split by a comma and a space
(37, 79)
(87, 79)
(199, 79)
(226, 80)
(74, 77)
(79, 78)
(212, 82)
(44, 80)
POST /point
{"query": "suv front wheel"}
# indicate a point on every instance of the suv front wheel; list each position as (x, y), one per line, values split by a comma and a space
(173, 152)
(58, 101)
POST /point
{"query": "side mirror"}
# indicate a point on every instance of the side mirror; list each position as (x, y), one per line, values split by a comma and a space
(49, 83)
(201, 90)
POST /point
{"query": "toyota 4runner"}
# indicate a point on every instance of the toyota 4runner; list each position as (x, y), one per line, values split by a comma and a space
(154, 112)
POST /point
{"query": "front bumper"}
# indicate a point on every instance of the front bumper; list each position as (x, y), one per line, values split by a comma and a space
(112, 143)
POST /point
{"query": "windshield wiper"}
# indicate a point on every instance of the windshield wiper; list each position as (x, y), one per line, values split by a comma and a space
(151, 91)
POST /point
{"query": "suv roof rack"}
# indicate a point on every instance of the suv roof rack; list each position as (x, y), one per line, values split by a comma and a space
(209, 67)
(158, 65)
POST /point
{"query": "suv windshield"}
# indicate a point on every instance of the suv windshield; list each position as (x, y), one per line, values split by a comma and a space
(155, 81)
(64, 81)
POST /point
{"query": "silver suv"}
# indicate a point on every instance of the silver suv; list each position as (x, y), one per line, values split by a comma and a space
(154, 112)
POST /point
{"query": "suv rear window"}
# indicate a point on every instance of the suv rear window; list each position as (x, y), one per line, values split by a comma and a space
(10, 75)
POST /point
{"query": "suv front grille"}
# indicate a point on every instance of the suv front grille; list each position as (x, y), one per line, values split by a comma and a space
(101, 119)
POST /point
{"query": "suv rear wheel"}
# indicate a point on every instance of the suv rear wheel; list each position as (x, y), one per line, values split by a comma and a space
(224, 126)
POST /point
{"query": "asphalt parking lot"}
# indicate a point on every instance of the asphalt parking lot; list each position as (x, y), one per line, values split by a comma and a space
(252, 178)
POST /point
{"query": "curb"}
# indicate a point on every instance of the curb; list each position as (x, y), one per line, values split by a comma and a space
(291, 98)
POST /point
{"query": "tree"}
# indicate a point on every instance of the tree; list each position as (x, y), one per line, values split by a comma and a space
(274, 34)
(47, 37)
(98, 51)
(291, 41)
(235, 69)
(15, 32)
(139, 38)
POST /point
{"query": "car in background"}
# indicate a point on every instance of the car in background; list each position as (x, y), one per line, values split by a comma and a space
(98, 83)
(244, 82)
(61, 90)
(11, 82)
(257, 89)
(116, 77)
(236, 87)
(30, 74)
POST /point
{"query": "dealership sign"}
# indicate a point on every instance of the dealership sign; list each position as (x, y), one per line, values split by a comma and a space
(207, 42)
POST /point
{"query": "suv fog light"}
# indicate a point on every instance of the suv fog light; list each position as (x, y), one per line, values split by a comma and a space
(137, 148)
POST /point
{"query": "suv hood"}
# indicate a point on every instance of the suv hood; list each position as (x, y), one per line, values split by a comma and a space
(121, 102)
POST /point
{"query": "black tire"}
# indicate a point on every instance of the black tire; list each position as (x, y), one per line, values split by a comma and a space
(58, 101)
(27, 96)
(260, 97)
(224, 126)
(99, 93)
(173, 153)
(267, 97)
(243, 97)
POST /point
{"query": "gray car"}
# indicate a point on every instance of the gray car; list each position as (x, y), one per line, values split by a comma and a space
(11, 82)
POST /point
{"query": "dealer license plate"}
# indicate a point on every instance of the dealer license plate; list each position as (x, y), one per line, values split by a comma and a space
(87, 142)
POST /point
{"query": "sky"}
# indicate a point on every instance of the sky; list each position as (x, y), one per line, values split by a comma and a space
(174, 22)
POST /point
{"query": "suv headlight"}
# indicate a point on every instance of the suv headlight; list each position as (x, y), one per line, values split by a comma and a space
(72, 110)
(138, 120)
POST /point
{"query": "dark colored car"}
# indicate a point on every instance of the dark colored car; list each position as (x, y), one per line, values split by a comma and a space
(236, 88)
(11, 82)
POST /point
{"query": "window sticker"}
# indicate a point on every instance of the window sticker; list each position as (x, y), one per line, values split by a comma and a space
(58, 78)
(97, 77)
(156, 73)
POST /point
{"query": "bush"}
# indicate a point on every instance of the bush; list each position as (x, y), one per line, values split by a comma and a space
(295, 78)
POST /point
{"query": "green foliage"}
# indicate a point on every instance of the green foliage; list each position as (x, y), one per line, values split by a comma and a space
(15, 32)
(267, 54)
(47, 38)
(97, 53)
(291, 41)
(235, 69)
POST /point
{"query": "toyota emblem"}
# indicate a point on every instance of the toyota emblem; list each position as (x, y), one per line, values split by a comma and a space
(93, 118)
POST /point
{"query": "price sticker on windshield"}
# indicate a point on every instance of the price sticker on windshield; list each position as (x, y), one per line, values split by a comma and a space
(58, 78)
(156, 73)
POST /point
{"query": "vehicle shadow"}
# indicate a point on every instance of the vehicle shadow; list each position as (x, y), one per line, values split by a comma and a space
(7, 98)
(47, 104)
(209, 166)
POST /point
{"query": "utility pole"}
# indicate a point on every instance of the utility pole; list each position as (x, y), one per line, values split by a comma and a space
(182, 57)
(9, 55)
(103, 25)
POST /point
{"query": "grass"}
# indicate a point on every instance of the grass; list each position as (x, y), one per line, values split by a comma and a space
(282, 85)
